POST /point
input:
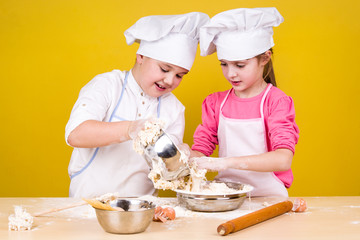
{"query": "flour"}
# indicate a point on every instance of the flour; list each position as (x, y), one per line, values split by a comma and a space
(106, 198)
(21, 220)
(217, 188)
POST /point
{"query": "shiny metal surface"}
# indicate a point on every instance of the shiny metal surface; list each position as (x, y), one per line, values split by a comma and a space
(165, 153)
(214, 202)
(136, 218)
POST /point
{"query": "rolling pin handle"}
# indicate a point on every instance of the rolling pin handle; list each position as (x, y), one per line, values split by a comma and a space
(225, 228)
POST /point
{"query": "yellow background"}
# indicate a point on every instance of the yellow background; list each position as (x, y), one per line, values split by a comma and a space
(50, 49)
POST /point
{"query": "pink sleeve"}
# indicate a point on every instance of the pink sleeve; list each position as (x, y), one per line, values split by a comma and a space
(282, 129)
(205, 136)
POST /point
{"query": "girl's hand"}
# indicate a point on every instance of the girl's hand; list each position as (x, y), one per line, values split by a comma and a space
(185, 149)
(211, 164)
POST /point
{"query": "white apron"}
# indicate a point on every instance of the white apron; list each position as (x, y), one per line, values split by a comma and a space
(243, 137)
(113, 168)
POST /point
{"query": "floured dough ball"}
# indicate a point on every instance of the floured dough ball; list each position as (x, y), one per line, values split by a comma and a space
(21, 220)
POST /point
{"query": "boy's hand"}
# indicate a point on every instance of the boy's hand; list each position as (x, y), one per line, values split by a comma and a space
(135, 127)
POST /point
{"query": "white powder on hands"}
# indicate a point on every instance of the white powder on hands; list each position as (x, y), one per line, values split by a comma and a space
(21, 220)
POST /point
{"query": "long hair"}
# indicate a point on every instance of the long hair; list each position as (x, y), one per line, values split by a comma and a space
(268, 74)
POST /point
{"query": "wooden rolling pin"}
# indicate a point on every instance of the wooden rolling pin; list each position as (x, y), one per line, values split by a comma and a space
(254, 218)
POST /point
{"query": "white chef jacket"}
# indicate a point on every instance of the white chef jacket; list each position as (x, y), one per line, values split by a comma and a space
(114, 97)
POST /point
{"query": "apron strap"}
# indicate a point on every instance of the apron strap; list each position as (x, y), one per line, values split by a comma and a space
(121, 95)
(223, 102)
(263, 100)
(112, 115)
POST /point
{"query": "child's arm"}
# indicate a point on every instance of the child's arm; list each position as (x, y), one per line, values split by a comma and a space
(274, 161)
(92, 133)
(196, 154)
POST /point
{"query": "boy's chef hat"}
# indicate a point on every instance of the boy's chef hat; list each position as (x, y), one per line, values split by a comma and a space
(168, 38)
(239, 34)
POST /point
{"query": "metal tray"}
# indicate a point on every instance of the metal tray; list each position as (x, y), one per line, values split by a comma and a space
(206, 202)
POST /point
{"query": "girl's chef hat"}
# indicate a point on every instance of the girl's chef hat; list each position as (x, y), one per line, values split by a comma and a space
(239, 34)
(168, 38)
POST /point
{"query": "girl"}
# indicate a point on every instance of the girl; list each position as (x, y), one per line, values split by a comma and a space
(253, 123)
(113, 107)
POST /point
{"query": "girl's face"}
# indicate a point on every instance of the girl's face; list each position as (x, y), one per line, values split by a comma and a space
(246, 76)
(157, 78)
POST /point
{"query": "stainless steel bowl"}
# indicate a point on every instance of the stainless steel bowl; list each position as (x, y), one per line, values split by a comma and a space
(135, 218)
(214, 202)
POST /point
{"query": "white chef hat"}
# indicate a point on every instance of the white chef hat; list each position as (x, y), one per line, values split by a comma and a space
(168, 38)
(239, 34)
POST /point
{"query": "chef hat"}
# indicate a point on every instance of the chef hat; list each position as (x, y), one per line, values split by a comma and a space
(168, 38)
(239, 34)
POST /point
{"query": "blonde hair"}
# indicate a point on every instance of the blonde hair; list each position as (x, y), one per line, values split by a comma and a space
(268, 74)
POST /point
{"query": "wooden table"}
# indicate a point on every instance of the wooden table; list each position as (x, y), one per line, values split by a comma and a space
(326, 218)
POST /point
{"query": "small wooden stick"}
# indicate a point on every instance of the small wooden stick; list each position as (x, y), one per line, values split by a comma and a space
(59, 209)
(254, 218)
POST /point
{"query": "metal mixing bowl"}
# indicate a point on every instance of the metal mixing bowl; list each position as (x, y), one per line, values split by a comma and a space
(135, 218)
(214, 202)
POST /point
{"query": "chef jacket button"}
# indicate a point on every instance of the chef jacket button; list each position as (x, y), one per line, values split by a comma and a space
(142, 94)
(83, 105)
(139, 114)
(143, 102)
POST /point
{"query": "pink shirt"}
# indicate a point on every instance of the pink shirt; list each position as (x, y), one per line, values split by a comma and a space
(279, 116)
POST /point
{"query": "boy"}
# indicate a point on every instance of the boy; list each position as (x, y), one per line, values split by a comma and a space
(114, 106)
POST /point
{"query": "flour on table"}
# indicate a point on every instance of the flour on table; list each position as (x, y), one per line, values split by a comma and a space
(183, 213)
(20, 220)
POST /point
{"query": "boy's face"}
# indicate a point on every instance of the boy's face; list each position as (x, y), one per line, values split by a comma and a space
(157, 78)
